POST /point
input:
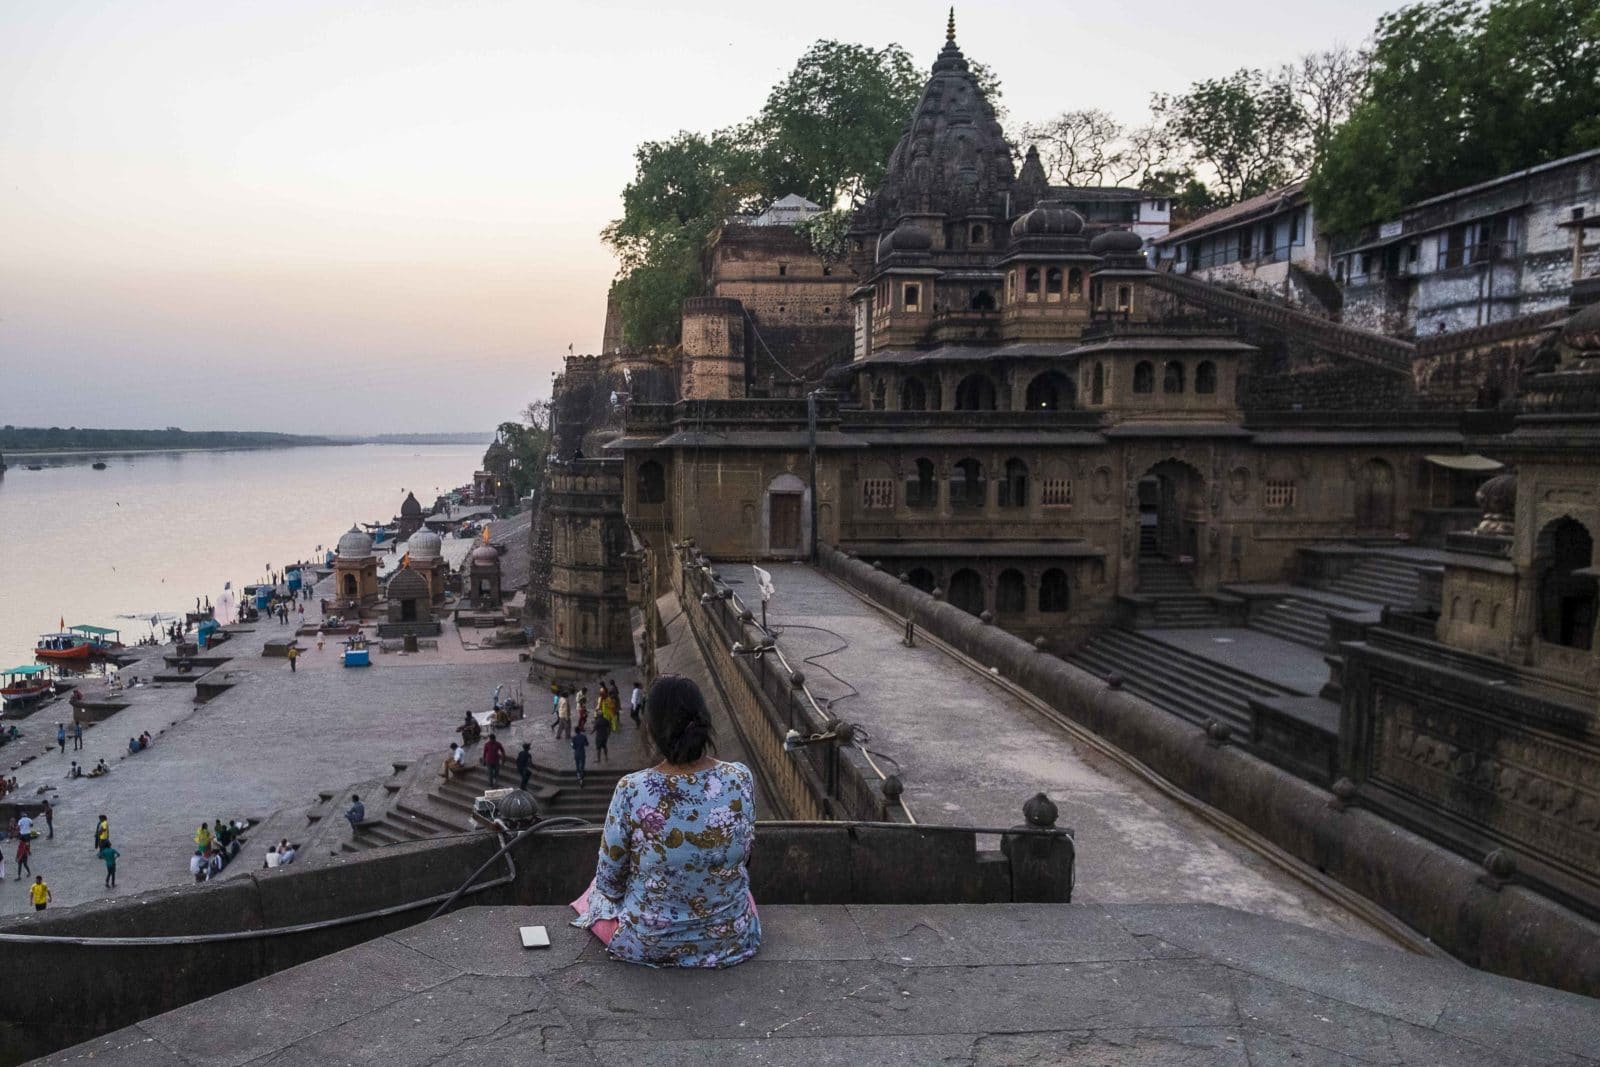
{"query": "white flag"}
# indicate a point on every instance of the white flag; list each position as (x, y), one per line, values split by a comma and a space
(764, 579)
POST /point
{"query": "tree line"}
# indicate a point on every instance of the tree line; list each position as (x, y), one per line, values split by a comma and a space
(1444, 94)
(73, 438)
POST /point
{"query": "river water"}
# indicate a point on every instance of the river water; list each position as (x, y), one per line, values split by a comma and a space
(155, 530)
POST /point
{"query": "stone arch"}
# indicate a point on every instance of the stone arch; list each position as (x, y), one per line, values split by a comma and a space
(1075, 284)
(1011, 593)
(787, 525)
(922, 578)
(1171, 510)
(966, 591)
(1172, 377)
(1144, 377)
(351, 586)
(1054, 593)
(968, 488)
(1014, 484)
(976, 392)
(922, 484)
(1097, 387)
(913, 395)
(982, 300)
(1564, 550)
(1049, 391)
(1205, 377)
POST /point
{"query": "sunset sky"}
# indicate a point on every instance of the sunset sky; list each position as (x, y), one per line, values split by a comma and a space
(384, 216)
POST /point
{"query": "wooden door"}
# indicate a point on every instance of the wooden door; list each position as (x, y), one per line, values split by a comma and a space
(784, 529)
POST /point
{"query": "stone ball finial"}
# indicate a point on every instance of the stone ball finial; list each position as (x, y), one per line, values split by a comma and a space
(937, 594)
(1218, 733)
(893, 788)
(1344, 792)
(986, 617)
(797, 680)
(1498, 499)
(1040, 644)
(1040, 811)
(905, 577)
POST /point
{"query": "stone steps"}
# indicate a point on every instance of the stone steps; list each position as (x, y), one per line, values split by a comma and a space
(1378, 581)
(1295, 620)
(1193, 688)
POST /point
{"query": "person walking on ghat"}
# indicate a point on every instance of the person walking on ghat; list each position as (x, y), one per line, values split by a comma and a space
(24, 850)
(110, 855)
(294, 654)
(564, 716)
(524, 769)
(580, 752)
(602, 734)
(102, 833)
(493, 753)
(39, 893)
(49, 814)
(61, 737)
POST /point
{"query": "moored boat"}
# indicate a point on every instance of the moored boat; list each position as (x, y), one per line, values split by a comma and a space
(63, 648)
(22, 685)
(98, 465)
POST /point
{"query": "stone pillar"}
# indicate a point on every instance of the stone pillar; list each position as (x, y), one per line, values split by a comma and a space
(713, 349)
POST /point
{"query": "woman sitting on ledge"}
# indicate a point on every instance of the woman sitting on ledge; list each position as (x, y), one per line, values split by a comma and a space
(672, 888)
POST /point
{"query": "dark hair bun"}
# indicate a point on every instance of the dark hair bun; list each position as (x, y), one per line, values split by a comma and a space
(678, 720)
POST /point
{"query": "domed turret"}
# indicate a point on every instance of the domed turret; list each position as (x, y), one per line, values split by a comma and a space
(1051, 218)
(906, 237)
(1117, 242)
(410, 508)
(354, 545)
(424, 545)
(485, 556)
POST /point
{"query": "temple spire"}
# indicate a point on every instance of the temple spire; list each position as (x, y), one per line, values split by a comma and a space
(950, 27)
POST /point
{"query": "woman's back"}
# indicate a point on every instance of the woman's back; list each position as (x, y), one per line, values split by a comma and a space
(672, 868)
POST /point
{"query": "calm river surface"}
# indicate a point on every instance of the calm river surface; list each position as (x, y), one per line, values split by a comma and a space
(155, 530)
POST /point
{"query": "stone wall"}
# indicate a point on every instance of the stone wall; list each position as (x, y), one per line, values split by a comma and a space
(1510, 929)
(73, 979)
(1347, 388)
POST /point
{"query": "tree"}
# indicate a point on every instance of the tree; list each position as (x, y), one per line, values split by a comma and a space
(528, 442)
(1459, 92)
(1328, 85)
(1247, 129)
(827, 129)
(1079, 147)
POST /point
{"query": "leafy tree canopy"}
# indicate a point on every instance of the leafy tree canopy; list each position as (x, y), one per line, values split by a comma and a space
(1458, 92)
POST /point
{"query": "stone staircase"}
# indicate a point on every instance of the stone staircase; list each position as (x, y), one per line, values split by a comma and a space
(1378, 580)
(1175, 603)
(1292, 619)
(1190, 687)
(429, 806)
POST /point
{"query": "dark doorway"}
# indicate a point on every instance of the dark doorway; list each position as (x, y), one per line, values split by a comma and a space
(1564, 560)
(921, 578)
(349, 585)
(784, 531)
(966, 591)
(408, 611)
(1171, 511)
(1375, 495)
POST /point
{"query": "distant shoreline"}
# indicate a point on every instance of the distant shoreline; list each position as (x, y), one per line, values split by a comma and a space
(11, 457)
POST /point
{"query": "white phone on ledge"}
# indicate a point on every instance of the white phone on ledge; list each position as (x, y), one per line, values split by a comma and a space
(535, 937)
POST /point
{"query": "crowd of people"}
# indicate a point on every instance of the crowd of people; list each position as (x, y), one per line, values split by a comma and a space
(138, 744)
(216, 845)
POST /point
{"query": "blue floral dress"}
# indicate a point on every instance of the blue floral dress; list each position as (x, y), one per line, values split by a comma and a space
(672, 869)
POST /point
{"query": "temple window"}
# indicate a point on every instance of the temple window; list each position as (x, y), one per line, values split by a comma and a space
(1172, 377)
(1144, 377)
(1124, 298)
(783, 269)
(1563, 558)
(1055, 493)
(877, 494)
(913, 395)
(1052, 284)
(1279, 495)
(1050, 391)
(912, 296)
(880, 392)
(922, 491)
(1097, 387)
(652, 484)
(977, 235)
(1075, 284)
(1053, 595)
(1205, 377)
(975, 393)
(1031, 283)
(983, 300)
(1014, 486)
(967, 487)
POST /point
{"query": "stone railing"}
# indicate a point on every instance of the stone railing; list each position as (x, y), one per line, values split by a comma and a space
(767, 699)
(1491, 333)
(1348, 342)
(863, 419)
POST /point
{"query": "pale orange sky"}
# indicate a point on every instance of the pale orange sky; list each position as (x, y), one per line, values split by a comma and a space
(366, 217)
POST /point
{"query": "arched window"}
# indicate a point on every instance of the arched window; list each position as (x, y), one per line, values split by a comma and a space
(1124, 298)
(1032, 285)
(921, 578)
(913, 395)
(1144, 377)
(652, 487)
(983, 300)
(1075, 284)
(1053, 591)
(1014, 486)
(1052, 283)
(350, 585)
(966, 591)
(880, 391)
(1566, 597)
(1172, 377)
(922, 491)
(1097, 389)
(1011, 593)
(975, 393)
(1205, 377)
(1050, 391)
(967, 489)
(977, 235)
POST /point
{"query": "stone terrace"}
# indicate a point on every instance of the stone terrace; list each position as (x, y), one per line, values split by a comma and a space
(1113, 986)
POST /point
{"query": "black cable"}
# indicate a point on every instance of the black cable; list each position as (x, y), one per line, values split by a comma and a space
(844, 643)
(547, 824)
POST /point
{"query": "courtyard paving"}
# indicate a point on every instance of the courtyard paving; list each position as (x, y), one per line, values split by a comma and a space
(970, 753)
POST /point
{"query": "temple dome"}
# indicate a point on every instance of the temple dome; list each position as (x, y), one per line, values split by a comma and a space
(1052, 218)
(1116, 242)
(425, 545)
(485, 556)
(410, 508)
(408, 585)
(906, 237)
(355, 545)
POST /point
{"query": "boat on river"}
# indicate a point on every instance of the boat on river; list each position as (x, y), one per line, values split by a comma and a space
(78, 644)
(98, 465)
(25, 684)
